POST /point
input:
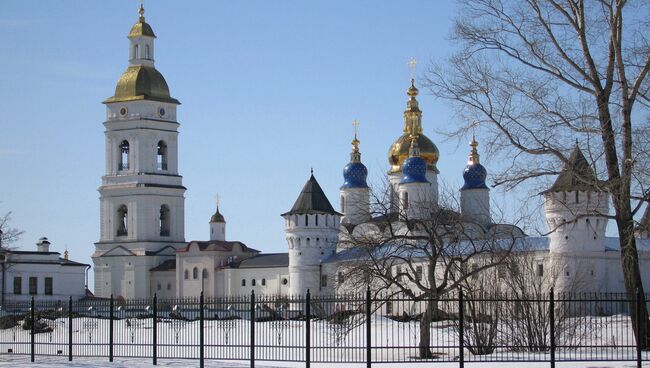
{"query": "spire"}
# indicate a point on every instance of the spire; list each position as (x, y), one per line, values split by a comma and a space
(311, 200)
(577, 175)
(355, 156)
(412, 114)
(474, 157)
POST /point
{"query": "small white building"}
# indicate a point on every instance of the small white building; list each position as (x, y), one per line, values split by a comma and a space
(41, 274)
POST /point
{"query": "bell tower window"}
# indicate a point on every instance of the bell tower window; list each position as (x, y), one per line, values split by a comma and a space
(124, 156)
(122, 220)
(164, 220)
(405, 200)
(161, 157)
(146, 52)
(343, 204)
(136, 48)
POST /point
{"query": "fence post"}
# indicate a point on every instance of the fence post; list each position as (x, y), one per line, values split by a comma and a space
(552, 316)
(32, 317)
(110, 329)
(308, 330)
(201, 332)
(368, 329)
(638, 328)
(252, 328)
(155, 329)
(461, 330)
(70, 329)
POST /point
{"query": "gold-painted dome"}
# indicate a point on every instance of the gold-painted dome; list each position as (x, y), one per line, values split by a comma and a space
(399, 152)
(141, 82)
(141, 28)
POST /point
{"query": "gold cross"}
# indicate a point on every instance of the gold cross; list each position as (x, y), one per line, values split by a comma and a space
(411, 64)
(355, 124)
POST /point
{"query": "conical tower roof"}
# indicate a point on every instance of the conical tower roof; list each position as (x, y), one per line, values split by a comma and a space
(577, 175)
(311, 200)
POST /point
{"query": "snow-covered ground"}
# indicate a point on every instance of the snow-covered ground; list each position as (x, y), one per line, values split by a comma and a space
(23, 361)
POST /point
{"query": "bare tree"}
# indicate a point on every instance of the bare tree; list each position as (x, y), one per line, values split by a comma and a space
(537, 74)
(8, 234)
(421, 258)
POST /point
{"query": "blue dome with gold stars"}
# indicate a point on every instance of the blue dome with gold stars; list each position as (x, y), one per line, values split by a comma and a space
(355, 175)
(474, 173)
(414, 170)
(474, 176)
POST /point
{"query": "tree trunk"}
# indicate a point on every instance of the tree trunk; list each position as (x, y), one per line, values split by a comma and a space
(632, 279)
(430, 312)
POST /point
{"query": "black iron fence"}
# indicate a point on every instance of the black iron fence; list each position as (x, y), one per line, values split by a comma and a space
(361, 328)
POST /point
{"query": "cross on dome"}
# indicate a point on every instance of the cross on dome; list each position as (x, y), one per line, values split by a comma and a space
(412, 64)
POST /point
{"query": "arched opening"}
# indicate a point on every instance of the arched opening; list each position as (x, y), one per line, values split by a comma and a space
(263, 282)
(205, 274)
(306, 220)
(243, 282)
(161, 157)
(316, 220)
(122, 220)
(164, 220)
(253, 282)
(343, 204)
(124, 156)
(187, 274)
(146, 52)
(195, 273)
(136, 49)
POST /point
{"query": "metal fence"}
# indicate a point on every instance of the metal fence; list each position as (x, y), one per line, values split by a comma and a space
(360, 328)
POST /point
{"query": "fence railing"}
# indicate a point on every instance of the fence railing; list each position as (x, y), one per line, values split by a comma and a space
(355, 328)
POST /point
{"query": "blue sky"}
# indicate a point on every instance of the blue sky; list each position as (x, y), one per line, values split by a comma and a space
(268, 89)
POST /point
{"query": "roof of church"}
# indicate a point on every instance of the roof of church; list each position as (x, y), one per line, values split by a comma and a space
(218, 245)
(142, 82)
(577, 175)
(167, 265)
(312, 199)
(263, 261)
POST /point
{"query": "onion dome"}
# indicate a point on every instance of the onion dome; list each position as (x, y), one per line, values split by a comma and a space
(474, 173)
(399, 150)
(217, 217)
(414, 169)
(355, 172)
(141, 28)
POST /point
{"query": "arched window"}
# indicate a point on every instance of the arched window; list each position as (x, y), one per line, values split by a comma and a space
(187, 274)
(295, 220)
(253, 282)
(316, 220)
(124, 156)
(159, 287)
(164, 220)
(307, 243)
(195, 273)
(122, 220)
(343, 204)
(146, 52)
(306, 220)
(169, 286)
(405, 200)
(243, 282)
(161, 158)
(136, 48)
(205, 274)
(263, 282)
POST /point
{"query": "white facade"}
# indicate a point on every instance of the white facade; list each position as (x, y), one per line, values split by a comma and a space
(41, 274)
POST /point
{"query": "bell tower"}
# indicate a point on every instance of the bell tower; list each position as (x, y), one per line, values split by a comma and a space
(141, 195)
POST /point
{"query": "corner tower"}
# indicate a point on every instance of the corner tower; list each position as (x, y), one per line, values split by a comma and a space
(141, 195)
(312, 229)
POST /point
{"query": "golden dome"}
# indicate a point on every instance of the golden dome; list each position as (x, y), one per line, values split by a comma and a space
(141, 82)
(399, 151)
(141, 28)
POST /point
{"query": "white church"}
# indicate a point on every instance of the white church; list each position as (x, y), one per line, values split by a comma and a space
(142, 249)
